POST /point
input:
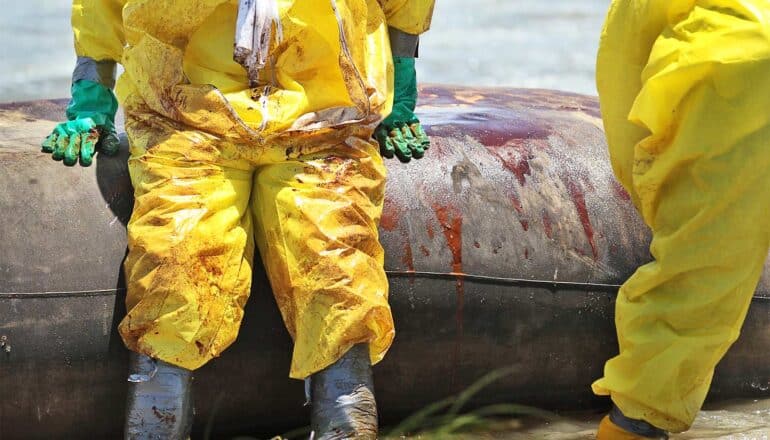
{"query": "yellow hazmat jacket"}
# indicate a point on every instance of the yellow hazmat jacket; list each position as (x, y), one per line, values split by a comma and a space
(330, 64)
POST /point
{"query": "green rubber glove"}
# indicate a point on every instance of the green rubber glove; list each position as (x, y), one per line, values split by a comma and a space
(400, 133)
(91, 114)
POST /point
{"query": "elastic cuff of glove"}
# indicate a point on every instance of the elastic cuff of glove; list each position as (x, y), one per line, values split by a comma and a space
(90, 98)
(102, 72)
(405, 64)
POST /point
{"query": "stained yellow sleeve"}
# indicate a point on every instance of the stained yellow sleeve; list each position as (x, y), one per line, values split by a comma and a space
(410, 16)
(98, 29)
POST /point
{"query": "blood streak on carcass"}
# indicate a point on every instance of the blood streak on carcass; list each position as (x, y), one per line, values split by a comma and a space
(391, 214)
(451, 222)
(620, 191)
(578, 198)
(390, 221)
(408, 260)
(547, 225)
(519, 166)
(517, 204)
(520, 211)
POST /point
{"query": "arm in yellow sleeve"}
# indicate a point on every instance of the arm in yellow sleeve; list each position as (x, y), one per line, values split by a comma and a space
(98, 29)
(410, 16)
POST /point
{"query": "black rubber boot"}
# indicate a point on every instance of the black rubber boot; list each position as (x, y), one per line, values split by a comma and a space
(634, 426)
(342, 399)
(159, 405)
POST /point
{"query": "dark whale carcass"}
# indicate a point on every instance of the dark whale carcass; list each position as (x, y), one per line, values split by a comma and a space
(505, 247)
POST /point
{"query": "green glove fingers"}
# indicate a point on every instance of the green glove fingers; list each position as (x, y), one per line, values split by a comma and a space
(88, 142)
(68, 140)
(62, 138)
(415, 143)
(402, 145)
(403, 141)
(386, 146)
(91, 114)
(420, 134)
(406, 134)
(72, 151)
(401, 134)
(50, 143)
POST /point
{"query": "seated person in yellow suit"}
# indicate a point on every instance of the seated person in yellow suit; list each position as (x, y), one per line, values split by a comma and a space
(267, 142)
(685, 96)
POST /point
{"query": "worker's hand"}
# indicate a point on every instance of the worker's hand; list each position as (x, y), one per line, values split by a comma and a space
(400, 133)
(91, 114)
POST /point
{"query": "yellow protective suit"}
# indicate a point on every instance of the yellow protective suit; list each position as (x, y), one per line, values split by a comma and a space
(685, 90)
(217, 166)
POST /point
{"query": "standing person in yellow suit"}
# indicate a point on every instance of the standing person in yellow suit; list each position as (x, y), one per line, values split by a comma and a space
(267, 141)
(684, 87)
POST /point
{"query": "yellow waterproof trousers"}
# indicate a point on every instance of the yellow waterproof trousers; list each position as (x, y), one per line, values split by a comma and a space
(202, 201)
(685, 96)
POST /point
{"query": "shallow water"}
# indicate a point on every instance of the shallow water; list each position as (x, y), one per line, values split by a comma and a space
(519, 43)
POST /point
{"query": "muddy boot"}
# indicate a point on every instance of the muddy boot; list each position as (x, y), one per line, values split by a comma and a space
(159, 400)
(342, 399)
(616, 426)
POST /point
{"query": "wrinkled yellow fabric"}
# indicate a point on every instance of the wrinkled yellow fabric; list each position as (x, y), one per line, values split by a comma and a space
(203, 142)
(331, 67)
(200, 203)
(410, 16)
(684, 89)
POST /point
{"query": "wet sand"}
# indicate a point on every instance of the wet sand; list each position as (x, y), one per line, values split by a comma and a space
(523, 43)
(736, 420)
